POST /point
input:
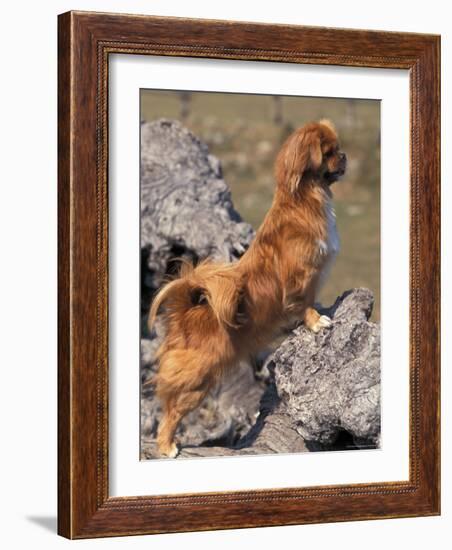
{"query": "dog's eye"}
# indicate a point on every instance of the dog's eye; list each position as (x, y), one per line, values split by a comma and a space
(330, 152)
(198, 298)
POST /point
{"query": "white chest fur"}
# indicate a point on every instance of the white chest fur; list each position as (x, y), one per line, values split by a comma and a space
(330, 248)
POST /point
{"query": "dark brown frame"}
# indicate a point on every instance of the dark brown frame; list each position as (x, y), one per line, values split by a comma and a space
(84, 44)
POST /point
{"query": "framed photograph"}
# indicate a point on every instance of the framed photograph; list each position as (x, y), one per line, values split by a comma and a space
(248, 275)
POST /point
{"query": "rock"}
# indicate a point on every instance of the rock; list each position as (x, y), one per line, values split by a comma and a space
(271, 433)
(329, 383)
(186, 206)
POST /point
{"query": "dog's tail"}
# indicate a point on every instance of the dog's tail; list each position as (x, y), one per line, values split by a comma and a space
(212, 286)
(167, 291)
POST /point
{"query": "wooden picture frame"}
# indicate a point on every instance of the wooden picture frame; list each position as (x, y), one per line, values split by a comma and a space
(85, 42)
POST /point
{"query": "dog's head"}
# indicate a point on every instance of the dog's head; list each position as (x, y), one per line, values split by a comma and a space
(311, 154)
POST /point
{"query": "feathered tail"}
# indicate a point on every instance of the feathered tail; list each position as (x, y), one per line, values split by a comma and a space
(212, 285)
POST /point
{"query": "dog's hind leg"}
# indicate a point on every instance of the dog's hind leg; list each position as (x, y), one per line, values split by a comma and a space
(167, 428)
(175, 410)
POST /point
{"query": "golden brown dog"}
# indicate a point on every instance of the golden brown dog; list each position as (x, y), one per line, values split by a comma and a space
(217, 314)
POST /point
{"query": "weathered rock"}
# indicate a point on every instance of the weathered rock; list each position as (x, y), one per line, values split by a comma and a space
(329, 383)
(272, 433)
(186, 207)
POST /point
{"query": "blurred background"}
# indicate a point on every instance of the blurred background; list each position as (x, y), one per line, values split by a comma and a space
(245, 132)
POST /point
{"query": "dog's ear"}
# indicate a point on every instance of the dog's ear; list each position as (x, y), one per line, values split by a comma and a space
(315, 151)
(301, 152)
(328, 124)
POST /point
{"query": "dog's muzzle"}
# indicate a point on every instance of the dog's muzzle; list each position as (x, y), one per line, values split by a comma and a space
(331, 177)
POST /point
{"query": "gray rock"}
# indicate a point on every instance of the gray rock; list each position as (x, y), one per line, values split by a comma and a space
(186, 206)
(329, 383)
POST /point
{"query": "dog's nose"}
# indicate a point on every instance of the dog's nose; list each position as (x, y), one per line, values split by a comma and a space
(343, 157)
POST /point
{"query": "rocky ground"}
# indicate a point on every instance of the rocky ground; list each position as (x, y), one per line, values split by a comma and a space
(315, 391)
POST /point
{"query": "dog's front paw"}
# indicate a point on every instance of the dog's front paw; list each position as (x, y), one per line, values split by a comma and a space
(170, 451)
(323, 322)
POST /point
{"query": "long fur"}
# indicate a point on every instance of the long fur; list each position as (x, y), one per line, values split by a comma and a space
(217, 314)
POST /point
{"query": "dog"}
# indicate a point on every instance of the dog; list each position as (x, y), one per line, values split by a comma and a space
(217, 314)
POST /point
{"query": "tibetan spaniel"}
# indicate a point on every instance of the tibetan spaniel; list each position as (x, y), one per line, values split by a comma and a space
(218, 314)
